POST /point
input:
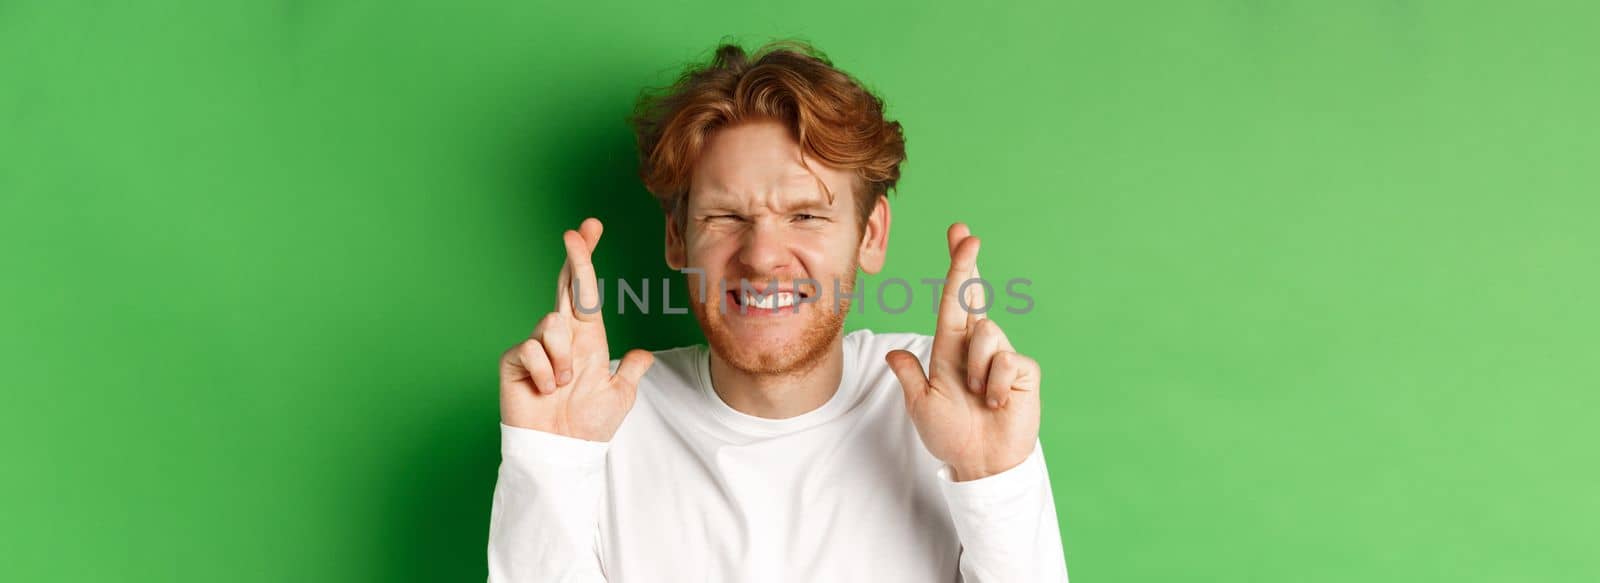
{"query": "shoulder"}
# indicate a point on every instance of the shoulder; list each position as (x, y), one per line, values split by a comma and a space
(668, 395)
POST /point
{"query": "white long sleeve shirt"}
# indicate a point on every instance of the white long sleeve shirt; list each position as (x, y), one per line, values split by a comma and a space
(689, 489)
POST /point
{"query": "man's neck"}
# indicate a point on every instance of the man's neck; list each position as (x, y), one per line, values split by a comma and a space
(780, 396)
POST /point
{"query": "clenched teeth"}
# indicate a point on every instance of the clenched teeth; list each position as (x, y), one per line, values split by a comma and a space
(769, 301)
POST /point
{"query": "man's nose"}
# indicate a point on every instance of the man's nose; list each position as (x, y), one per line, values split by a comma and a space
(764, 250)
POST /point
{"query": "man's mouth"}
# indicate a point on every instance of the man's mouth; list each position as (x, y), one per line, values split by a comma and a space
(769, 302)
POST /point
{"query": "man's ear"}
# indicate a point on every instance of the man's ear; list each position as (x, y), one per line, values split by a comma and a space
(677, 258)
(875, 237)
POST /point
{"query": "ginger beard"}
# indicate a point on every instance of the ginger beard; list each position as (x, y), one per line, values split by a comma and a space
(782, 344)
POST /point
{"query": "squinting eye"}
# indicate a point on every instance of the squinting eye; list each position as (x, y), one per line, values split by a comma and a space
(806, 217)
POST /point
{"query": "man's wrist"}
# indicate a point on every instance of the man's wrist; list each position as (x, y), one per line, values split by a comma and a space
(547, 448)
(968, 472)
(960, 474)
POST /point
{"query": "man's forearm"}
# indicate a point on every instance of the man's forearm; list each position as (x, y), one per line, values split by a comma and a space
(543, 522)
(1007, 525)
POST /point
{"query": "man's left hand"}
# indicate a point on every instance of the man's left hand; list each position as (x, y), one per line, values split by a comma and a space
(977, 409)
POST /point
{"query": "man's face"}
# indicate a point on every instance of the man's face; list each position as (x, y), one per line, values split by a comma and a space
(756, 214)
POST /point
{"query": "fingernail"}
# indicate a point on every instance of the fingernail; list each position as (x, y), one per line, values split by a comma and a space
(566, 377)
(993, 404)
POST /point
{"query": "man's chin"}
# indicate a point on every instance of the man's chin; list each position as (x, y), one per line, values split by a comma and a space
(770, 345)
(766, 331)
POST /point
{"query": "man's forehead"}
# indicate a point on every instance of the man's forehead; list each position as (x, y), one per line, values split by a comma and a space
(759, 163)
(786, 190)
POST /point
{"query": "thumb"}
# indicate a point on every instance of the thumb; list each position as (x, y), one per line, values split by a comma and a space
(908, 369)
(632, 368)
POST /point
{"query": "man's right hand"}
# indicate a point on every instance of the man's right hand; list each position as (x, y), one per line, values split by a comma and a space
(559, 380)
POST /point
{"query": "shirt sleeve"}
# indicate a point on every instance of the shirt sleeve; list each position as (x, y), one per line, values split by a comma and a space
(1007, 524)
(545, 517)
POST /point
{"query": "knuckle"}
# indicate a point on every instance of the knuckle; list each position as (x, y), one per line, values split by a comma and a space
(560, 349)
(555, 345)
(533, 354)
(1023, 362)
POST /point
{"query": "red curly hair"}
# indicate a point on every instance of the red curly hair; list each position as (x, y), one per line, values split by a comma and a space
(833, 117)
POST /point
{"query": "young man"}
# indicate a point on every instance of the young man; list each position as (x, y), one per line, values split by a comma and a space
(786, 450)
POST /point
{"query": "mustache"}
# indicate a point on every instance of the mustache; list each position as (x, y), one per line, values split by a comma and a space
(805, 287)
(702, 289)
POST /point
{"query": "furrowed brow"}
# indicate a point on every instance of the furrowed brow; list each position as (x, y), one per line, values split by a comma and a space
(810, 204)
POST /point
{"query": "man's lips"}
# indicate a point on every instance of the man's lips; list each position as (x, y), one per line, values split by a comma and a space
(766, 287)
(763, 302)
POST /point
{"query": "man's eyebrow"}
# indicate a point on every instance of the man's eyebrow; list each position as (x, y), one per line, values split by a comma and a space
(808, 203)
(713, 197)
(717, 206)
(809, 207)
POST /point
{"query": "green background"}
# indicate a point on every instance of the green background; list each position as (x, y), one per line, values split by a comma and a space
(1316, 282)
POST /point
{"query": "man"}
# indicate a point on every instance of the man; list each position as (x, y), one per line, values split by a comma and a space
(783, 451)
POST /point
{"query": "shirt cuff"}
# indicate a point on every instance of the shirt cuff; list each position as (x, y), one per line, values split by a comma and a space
(532, 446)
(1022, 478)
